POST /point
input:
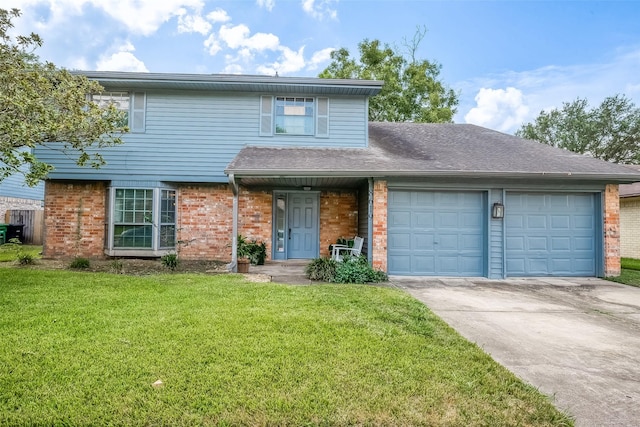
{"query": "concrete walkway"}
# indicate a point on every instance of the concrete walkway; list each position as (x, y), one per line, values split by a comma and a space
(576, 340)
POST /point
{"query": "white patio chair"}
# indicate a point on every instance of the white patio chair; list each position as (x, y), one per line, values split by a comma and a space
(339, 251)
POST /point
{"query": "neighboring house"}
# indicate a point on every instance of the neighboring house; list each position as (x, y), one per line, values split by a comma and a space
(16, 195)
(293, 162)
(630, 220)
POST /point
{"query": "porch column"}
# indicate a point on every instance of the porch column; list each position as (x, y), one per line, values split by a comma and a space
(611, 231)
(379, 243)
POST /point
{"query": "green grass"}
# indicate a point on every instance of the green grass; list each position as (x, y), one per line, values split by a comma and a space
(630, 273)
(8, 251)
(85, 348)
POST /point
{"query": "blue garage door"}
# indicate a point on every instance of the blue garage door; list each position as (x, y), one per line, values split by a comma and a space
(436, 233)
(550, 234)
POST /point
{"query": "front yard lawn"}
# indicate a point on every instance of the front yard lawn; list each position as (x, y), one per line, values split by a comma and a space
(630, 274)
(87, 348)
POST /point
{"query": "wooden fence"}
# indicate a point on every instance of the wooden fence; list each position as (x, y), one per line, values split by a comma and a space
(33, 221)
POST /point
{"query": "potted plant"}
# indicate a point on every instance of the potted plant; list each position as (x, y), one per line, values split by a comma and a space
(243, 255)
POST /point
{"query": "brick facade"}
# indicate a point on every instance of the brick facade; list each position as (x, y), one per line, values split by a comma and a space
(74, 219)
(204, 223)
(17, 204)
(338, 217)
(611, 231)
(379, 244)
(630, 227)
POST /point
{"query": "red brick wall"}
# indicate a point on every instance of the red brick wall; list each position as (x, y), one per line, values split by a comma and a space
(338, 217)
(255, 217)
(74, 218)
(611, 231)
(205, 221)
(379, 244)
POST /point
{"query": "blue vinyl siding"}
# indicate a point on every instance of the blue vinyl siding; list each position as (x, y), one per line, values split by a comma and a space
(550, 234)
(192, 136)
(439, 233)
(496, 239)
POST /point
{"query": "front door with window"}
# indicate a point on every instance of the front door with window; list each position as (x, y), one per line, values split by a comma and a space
(296, 220)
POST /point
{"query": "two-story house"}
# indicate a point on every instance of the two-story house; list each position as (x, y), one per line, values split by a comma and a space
(294, 162)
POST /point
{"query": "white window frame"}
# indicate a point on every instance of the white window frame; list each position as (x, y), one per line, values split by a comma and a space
(318, 120)
(133, 103)
(156, 222)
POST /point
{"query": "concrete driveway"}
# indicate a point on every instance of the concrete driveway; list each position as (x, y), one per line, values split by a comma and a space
(576, 340)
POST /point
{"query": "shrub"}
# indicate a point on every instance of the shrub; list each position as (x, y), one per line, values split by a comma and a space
(25, 258)
(357, 270)
(254, 250)
(80, 263)
(323, 269)
(170, 261)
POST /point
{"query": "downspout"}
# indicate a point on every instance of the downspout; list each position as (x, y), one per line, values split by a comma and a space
(233, 266)
(370, 222)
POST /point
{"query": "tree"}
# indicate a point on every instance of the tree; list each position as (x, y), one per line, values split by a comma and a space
(41, 104)
(609, 132)
(412, 91)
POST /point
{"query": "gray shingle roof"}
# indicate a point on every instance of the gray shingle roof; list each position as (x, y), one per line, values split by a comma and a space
(430, 150)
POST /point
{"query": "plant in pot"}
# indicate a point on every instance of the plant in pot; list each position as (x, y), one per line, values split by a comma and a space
(243, 254)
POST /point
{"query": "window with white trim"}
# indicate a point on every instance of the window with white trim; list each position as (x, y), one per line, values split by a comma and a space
(133, 105)
(294, 115)
(143, 219)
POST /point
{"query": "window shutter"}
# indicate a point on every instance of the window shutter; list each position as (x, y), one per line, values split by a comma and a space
(138, 112)
(266, 115)
(322, 118)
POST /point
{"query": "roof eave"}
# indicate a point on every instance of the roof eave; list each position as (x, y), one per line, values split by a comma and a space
(264, 173)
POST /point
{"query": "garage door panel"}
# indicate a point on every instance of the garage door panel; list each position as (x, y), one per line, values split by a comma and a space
(550, 234)
(537, 244)
(400, 219)
(515, 243)
(447, 230)
(423, 242)
(560, 244)
(538, 222)
(423, 219)
(560, 222)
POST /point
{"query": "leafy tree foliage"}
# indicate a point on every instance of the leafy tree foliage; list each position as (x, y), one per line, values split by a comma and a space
(41, 104)
(609, 132)
(412, 91)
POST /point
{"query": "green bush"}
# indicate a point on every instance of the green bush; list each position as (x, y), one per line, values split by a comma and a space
(350, 270)
(255, 251)
(170, 261)
(80, 263)
(25, 258)
(357, 270)
(323, 269)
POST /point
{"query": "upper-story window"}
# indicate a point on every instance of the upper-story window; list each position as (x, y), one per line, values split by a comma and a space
(133, 104)
(293, 115)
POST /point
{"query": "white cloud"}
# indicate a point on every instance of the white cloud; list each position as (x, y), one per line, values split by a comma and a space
(319, 58)
(218, 15)
(238, 37)
(320, 9)
(267, 4)
(499, 109)
(192, 23)
(213, 45)
(121, 60)
(290, 61)
(549, 87)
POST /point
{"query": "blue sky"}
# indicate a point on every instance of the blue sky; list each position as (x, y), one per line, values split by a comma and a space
(508, 60)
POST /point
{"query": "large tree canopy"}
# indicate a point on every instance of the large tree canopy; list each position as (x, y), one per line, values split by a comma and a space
(412, 91)
(609, 132)
(41, 104)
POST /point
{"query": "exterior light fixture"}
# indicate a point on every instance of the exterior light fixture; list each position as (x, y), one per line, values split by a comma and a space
(497, 211)
(306, 188)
